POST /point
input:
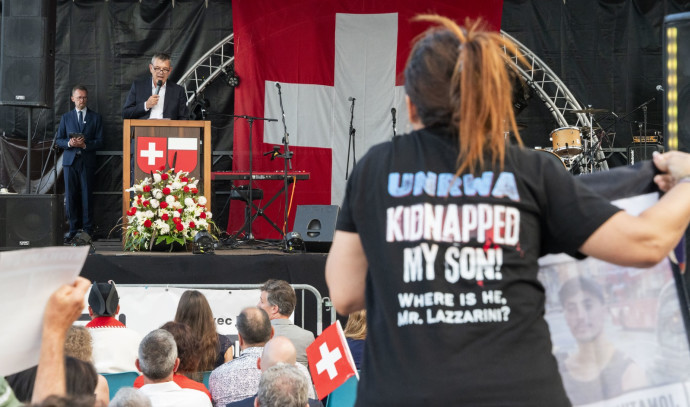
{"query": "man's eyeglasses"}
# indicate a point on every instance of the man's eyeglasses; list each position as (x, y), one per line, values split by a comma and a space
(164, 70)
(81, 97)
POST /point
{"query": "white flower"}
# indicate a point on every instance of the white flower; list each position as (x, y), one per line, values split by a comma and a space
(157, 193)
(149, 214)
(202, 224)
(154, 203)
(209, 215)
(177, 205)
(141, 228)
(176, 214)
(189, 202)
(175, 186)
(202, 200)
(170, 199)
(156, 177)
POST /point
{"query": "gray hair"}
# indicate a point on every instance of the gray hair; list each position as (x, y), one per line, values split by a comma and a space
(160, 56)
(157, 354)
(281, 294)
(130, 397)
(283, 385)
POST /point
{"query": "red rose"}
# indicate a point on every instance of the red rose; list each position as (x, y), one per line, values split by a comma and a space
(166, 191)
(135, 233)
(139, 196)
(176, 220)
(179, 211)
(179, 227)
(202, 215)
(146, 203)
(165, 216)
(192, 225)
(195, 191)
(134, 210)
(184, 179)
(185, 188)
(161, 168)
(147, 188)
(164, 176)
(147, 223)
(164, 205)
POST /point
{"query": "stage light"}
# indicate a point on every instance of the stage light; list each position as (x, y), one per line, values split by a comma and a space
(294, 242)
(231, 78)
(677, 81)
(203, 243)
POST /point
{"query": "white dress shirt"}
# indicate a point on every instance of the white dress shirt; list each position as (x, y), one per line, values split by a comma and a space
(157, 111)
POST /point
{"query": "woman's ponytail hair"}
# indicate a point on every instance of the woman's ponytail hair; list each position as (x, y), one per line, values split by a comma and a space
(458, 77)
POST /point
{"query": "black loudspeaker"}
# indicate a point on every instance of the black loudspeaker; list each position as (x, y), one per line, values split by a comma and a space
(677, 81)
(30, 221)
(640, 152)
(27, 53)
(316, 224)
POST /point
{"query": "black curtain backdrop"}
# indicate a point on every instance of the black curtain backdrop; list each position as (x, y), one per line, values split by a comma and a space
(607, 52)
(106, 46)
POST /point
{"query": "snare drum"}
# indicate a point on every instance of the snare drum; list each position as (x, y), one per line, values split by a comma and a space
(553, 157)
(567, 141)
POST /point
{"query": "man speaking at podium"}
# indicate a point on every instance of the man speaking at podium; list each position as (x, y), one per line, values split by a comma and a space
(156, 98)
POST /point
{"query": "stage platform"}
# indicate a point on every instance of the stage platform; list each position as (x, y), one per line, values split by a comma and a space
(227, 266)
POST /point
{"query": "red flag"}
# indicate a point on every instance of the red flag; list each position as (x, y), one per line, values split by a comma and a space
(330, 360)
(150, 153)
(324, 52)
(186, 149)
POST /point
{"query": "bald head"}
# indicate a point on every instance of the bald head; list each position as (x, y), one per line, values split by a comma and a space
(278, 350)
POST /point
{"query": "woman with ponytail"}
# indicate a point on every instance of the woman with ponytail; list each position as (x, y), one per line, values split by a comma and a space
(440, 231)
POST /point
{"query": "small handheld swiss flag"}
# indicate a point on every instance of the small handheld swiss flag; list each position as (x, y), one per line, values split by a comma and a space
(330, 360)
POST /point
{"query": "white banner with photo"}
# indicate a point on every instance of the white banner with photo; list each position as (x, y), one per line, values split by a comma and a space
(618, 332)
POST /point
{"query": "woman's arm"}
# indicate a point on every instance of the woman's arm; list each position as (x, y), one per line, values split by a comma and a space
(346, 272)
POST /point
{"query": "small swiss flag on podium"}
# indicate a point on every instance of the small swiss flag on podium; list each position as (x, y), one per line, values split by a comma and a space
(330, 360)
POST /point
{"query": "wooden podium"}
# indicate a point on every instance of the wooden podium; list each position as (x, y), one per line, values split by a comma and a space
(151, 132)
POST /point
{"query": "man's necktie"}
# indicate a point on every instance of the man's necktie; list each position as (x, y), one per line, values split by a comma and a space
(81, 120)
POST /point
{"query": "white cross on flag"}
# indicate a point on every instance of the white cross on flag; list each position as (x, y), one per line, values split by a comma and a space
(330, 360)
(323, 52)
(154, 152)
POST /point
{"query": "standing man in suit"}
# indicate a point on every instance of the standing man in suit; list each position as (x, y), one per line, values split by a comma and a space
(79, 160)
(156, 98)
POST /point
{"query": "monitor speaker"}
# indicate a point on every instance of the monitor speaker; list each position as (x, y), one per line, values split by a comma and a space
(641, 152)
(316, 224)
(27, 53)
(28, 221)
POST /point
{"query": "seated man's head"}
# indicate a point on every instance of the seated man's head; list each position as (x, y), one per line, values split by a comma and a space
(253, 327)
(278, 350)
(158, 356)
(282, 385)
(278, 299)
(103, 300)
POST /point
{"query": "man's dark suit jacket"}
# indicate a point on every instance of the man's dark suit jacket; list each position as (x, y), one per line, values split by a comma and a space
(249, 402)
(174, 105)
(93, 136)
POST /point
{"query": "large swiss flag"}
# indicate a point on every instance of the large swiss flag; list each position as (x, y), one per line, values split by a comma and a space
(323, 52)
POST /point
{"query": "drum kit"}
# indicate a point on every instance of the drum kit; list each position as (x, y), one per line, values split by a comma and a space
(575, 147)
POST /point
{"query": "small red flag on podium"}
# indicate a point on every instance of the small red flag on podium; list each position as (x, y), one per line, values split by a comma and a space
(330, 360)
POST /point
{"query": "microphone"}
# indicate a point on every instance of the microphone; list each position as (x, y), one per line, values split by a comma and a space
(351, 99)
(158, 87)
(278, 85)
(659, 88)
(393, 112)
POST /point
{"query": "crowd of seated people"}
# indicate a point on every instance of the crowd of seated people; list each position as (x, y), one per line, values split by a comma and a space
(169, 360)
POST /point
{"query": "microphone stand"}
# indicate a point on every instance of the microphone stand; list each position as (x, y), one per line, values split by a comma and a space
(395, 131)
(287, 162)
(351, 141)
(248, 210)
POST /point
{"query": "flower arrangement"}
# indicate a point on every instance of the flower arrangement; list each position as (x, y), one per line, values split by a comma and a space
(166, 209)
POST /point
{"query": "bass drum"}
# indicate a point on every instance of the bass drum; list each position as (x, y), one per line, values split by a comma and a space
(553, 157)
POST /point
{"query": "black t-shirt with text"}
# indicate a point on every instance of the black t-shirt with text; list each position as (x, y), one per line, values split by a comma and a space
(454, 308)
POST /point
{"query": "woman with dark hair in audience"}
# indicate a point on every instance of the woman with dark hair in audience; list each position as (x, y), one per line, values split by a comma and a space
(187, 351)
(355, 333)
(440, 231)
(214, 348)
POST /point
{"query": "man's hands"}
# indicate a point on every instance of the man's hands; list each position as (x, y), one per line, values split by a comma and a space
(152, 101)
(674, 165)
(77, 142)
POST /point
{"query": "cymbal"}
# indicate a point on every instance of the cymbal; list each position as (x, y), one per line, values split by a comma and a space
(589, 110)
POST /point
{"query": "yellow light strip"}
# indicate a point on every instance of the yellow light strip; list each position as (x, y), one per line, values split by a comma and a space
(672, 87)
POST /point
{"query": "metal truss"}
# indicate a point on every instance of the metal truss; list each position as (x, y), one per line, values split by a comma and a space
(554, 94)
(217, 61)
